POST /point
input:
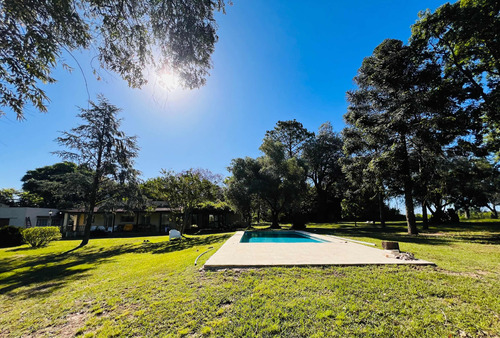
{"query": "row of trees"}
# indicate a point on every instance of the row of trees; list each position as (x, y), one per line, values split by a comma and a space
(278, 180)
(423, 123)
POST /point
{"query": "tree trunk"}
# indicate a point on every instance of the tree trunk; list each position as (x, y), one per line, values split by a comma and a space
(258, 214)
(425, 219)
(274, 216)
(90, 214)
(322, 205)
(186, 220)
(467, 213)
(408, 191)
(381, 209)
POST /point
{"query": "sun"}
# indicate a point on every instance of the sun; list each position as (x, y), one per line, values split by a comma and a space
(169, 80)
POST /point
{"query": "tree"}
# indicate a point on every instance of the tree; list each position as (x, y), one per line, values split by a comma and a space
(401, 106)
(7, 196)
(292, 135)
(465, 38)
(239, 194)
(322, 155)
(129, 37)
(16, 198)
(61, 185)
(278, 181)
(184, 191)
(101, 146)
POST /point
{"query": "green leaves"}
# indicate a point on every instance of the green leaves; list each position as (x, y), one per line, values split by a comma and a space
(41, 236)
(464, 38)
(129, 37)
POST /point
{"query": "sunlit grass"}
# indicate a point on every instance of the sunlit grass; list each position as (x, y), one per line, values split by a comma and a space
(128, 287)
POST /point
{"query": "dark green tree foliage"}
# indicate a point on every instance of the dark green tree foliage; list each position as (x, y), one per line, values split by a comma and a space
(240, 190)
(467, 183)
(59, 185)
(16, 198)
(184, 191)
(400, 107)
(464, 36)
(10, 236)
(364, 190)
(278, 181)
(129, 37)
(322, 154)
(103, 148)
(7, 196)
(292, 135)
(283, 181)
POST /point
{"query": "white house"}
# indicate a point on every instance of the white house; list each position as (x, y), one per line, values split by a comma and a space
(28, 217)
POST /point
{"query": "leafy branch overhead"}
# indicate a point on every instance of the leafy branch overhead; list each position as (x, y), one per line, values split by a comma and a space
(128, 37)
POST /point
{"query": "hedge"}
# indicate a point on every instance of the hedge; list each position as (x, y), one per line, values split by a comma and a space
(10, 236)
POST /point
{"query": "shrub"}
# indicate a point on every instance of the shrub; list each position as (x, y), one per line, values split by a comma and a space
(10, 236)
(98, 233)
(41, 236)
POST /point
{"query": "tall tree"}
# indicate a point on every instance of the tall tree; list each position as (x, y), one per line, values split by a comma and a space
(276, 180)
(240, 192)
(292, 135)
(128, 36)
(466, 39)
(322, 154)
(401, 104)
(101, 146)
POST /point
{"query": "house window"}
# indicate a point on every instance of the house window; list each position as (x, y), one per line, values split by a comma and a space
(42, 221)
(165, 219)
(145, 219)
(127, 218)
(108, 220)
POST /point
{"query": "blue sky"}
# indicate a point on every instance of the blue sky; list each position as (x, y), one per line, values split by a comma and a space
(275, 60)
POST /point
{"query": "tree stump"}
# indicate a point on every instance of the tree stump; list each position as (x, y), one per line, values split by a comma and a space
(390, 245)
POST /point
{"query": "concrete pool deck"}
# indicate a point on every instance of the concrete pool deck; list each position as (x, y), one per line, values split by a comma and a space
(234, 254)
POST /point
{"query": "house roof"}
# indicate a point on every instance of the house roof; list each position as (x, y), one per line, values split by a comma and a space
(96, 210)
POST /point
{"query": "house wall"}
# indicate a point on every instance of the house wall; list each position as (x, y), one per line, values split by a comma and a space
(155, 222)
(17, 216)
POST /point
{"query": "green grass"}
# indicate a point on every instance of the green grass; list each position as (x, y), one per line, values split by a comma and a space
(128, 287)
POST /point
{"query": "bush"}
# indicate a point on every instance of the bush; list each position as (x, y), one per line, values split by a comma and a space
(10, 236)
(98, 233)
(41, 236)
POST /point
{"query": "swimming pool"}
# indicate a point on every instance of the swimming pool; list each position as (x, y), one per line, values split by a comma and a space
(278, 237)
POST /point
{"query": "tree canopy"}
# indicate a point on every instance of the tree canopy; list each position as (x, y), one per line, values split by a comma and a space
(184, 191)
(400, 107)
(463, 36)
(100, 145)
(128, 37)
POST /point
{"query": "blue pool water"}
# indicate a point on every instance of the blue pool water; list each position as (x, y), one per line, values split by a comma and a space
(277, 237)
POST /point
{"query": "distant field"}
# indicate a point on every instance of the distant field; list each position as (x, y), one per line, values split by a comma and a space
(128, 287)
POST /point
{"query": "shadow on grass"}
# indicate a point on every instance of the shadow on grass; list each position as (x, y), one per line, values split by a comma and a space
(481, 233)
(43, 274)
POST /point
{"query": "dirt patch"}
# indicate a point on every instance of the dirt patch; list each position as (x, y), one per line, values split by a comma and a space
(435, 234)
(74, 321)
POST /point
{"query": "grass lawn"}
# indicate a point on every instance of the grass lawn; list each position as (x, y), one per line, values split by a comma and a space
(128, 287)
